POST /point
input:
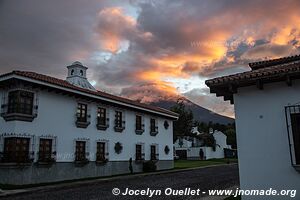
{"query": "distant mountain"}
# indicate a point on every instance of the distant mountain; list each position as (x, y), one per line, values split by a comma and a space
(200, 114)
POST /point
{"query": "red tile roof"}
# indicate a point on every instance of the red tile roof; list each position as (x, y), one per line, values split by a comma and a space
(65, 84)
(282, 69)
(278, 61)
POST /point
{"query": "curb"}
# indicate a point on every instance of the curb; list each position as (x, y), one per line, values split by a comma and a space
(5, 193)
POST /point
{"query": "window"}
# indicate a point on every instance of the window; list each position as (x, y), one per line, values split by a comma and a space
(100, 151)
(16, 150)
(19, 106)
(102, 120)
(295, 121)
(138, 152)
(80, 151)
(102, 116)
(82, 112)
(119, 123)
(153, 127)
(45, 150)
(20, 102)
(292, 113)
(82, 116)
(139, 126)
(153, 152)
(138, 122)
(72, 72)
(81, 73)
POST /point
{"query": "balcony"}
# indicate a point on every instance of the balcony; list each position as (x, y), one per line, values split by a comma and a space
(140, 130)
(104, 125)
(18, 114)
(82, 122)
(154, 131)
(119, 128)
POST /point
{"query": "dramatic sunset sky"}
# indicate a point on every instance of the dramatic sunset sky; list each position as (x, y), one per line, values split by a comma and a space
(148, 50)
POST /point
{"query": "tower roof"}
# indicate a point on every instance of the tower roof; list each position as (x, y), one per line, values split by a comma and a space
(77, 75)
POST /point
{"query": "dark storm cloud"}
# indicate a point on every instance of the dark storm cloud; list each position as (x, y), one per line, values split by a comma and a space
(173, 25)
(146, 41)
(45, 36)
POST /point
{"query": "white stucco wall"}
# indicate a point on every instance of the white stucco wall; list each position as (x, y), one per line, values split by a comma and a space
(185, 144)
(262, 139)
(221, 139)
(56, 117)
(193, 152)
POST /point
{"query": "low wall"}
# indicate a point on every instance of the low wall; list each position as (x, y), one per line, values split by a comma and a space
(193, 153)
(32, 174)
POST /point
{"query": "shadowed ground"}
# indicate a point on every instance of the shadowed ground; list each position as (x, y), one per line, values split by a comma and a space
(217, 177)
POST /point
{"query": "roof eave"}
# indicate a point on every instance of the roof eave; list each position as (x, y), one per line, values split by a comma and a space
(173, 116)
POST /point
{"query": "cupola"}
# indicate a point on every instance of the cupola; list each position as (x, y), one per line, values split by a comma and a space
(77, 76)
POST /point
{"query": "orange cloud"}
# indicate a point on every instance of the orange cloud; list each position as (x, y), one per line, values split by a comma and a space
(151, 92)
(169, 44)
(113, 25)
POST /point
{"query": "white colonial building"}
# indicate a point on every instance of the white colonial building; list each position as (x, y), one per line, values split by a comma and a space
(189, 147)
(54, 130)
(267, 109)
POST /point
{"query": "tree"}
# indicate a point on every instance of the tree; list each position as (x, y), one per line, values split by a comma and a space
(202, 126)
(231, 137)
(184, 124)
(228, 130)
(208, 140)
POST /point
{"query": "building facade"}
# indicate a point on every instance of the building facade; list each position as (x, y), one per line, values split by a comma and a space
(189, 147)
(54, 130)
(267, 109)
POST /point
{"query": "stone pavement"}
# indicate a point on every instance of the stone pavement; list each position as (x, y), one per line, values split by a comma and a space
(213, 177)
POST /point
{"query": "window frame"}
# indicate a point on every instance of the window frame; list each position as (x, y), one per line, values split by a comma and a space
(80, 156)
(138, 152)
(119, 123)
(19, 104)
(101, 156)
(45, 155)
(138, 122)
(119, 119)
(153, 126)
(102, 118)
(82, 116)
(11, 153)
(294, 156)
(153, 154)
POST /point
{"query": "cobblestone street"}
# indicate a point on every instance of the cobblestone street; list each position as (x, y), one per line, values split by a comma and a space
(218, 177)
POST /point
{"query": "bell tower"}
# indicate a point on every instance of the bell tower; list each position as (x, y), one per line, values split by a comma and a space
(77, 76)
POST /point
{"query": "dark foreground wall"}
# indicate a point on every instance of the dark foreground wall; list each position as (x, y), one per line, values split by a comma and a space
(32, 174)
